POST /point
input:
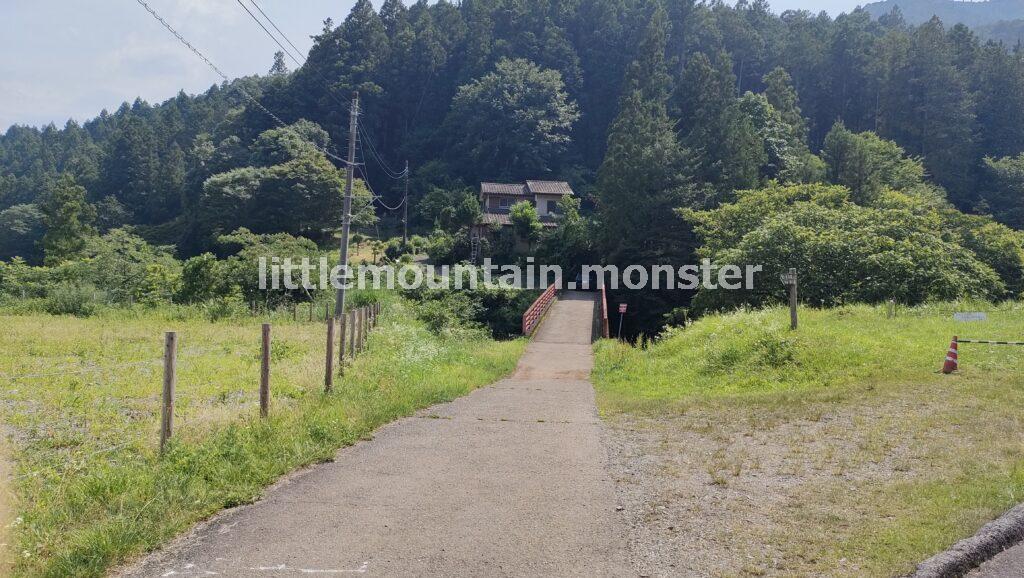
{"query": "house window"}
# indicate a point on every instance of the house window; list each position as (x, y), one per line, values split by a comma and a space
(553, 208)
(504, 202)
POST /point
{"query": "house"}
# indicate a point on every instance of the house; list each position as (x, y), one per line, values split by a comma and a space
(497, 200)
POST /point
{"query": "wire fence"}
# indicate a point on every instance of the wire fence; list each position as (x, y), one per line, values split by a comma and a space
(359, 322)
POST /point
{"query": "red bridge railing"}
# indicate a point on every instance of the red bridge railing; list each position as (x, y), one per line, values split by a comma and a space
(533, 315)
(605, 328)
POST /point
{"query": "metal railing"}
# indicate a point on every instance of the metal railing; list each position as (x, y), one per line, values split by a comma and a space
(534, 314)
(605, 328)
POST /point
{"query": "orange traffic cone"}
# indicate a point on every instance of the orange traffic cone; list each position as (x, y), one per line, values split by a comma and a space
(952, 360)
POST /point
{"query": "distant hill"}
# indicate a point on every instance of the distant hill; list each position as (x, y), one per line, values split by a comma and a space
(974, 14)
(992, 19)
(1009, 31)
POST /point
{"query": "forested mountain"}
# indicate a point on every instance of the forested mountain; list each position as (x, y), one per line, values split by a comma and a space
(1009, 32)
(971, 13)
(644, 105)
(999, 20)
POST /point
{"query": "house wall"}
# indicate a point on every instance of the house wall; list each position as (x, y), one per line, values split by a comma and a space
(493, 202)
(545, 203)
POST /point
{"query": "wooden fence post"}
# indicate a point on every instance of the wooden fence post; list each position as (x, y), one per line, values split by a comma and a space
(341, 350)
(312, 307)
(892, 308)
(265, 373)
(365, 329)
(352, 334)
(329, 369)
(793, 321)
(170, 380)
(357, 347)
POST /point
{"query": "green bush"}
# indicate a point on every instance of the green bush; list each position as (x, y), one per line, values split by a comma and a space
(73, 299)
(903, 247)
(226, 307)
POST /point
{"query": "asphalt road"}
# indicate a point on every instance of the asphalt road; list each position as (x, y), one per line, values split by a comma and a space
(510, 480)
(1009, 564)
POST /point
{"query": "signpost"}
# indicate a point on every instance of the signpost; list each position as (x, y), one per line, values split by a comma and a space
(789, 279)
(622, 313)
(967, 317)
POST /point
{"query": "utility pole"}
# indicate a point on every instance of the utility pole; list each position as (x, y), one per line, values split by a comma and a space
(405, 209)
(346, 218)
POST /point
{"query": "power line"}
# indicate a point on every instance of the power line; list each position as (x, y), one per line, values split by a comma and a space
(268, 112)
(225, 77)
(391, 172)
(279, 31)
(272, 37)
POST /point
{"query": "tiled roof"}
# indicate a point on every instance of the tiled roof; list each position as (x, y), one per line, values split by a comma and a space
(549, 187)
(495, 219)
(504, 219)
(503, 189)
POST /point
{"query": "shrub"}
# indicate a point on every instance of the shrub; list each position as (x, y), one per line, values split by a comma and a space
(80, 300)
(221, 308)
(203, 278)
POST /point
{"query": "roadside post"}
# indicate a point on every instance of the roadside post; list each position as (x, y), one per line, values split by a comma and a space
(265, 372)
(789, 279)
(170, 380)
(622, 314)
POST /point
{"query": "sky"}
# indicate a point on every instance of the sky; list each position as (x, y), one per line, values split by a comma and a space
(62, 59)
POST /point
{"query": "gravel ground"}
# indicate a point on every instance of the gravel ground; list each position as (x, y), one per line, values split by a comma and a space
(745, 490)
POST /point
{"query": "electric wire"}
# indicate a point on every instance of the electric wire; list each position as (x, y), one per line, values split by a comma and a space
(279, 31)
(374, 152)
(272, 37)
(225, 77)
(361, 133)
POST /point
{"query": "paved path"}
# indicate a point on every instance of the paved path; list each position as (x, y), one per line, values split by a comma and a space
(507, 481)
(1009, 564)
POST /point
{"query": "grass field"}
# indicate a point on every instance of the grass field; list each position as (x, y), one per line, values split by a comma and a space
(834, 450)
(90, 487)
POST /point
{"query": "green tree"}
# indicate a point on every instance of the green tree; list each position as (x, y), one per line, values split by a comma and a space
(21, 229)
(514, 122)
(68, 219)
(280, 67)
(450, 209)
(779, 90)
(641, 180)
(1004, 194)
(846, 252)
(525, 222)
(867, 164)
(570, 244)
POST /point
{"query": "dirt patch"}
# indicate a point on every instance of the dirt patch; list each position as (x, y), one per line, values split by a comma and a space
(802, 487)
(7, 514)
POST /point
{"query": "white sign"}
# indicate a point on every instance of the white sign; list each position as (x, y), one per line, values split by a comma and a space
(970, 317)
(622, 307)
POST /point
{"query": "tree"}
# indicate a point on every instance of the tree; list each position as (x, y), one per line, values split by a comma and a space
(570, 244)
(21, 229)
(280, 67)
(68, 219)
(851, 253)
(525, 222)
(292, 187)
(782, 96)
(867, 164)
(450, 209)
(512, 123)
(641, 181)
(1004, 195)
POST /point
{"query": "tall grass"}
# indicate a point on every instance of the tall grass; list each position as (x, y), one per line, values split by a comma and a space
(92, 490)
(749, 353)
